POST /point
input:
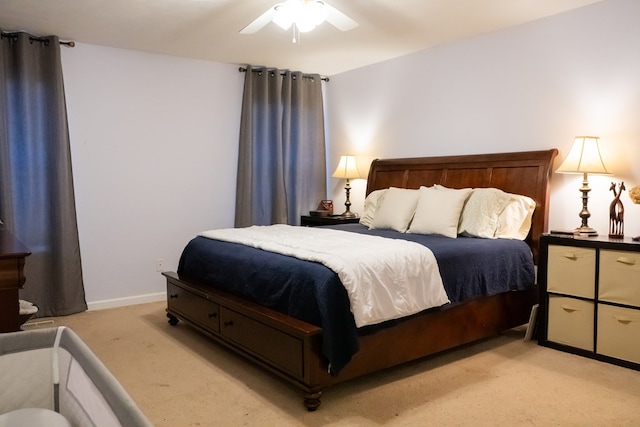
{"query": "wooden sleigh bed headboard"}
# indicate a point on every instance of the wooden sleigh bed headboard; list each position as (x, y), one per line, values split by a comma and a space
(527, 173)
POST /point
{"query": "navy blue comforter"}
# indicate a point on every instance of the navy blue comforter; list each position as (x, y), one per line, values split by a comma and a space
(309, 291)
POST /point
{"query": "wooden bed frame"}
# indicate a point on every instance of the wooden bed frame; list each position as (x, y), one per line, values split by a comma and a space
(291, 348)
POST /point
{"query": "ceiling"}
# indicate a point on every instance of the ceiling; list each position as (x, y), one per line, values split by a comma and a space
(208, 29)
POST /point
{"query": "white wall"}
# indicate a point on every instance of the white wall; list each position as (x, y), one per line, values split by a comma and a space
(154, 149)
(533, 87)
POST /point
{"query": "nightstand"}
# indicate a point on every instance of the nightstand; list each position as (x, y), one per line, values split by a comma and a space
(590, 297)
(314, 221)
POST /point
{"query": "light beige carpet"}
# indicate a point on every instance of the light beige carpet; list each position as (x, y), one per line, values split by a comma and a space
(181, 378)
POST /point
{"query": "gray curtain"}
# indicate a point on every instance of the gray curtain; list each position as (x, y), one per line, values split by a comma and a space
(282, 162)
(37, 201)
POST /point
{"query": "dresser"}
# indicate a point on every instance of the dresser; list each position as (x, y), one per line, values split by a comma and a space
(590, 297)
(12, 256)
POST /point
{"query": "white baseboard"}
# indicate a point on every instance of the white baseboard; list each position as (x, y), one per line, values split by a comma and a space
(121, 302)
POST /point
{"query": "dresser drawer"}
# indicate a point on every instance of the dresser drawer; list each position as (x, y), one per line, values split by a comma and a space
(9, 310)
(571, 270)
(620, 277)
(619, 332)
(198, 309)
(10, 273)
(283, 350)
(571, 322)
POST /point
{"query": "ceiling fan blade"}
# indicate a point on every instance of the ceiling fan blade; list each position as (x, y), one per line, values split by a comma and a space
(259, 22)
(339, 19)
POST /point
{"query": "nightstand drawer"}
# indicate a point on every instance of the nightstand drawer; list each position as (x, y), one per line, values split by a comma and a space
(619, 332)
(620, 277)
(571, 270)
(571, 322)
(315, 221)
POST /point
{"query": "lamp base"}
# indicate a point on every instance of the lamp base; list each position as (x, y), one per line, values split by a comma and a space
(348, 214)
(585, 231)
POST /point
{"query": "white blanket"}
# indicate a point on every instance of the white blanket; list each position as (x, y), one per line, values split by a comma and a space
(384, 278)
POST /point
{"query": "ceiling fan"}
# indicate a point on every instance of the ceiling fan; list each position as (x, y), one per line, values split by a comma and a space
(302, 15)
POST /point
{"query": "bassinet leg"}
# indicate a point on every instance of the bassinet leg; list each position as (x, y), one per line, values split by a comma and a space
(311, 400)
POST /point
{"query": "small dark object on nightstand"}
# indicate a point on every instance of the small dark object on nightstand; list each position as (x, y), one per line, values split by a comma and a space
(616, 212)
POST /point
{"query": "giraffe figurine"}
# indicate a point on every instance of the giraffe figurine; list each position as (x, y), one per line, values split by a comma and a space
(616, 212)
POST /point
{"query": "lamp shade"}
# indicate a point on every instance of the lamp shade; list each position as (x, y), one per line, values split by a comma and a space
(347, 168)
(584, 157)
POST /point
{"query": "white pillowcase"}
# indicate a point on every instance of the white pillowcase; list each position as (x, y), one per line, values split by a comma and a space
(480, 214)
(515, 220)
(485, 212)
(371, 205)
(438, 211)
(396, 209)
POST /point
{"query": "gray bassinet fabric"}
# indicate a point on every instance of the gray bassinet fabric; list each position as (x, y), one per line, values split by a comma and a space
(53, 369)
(32, 417)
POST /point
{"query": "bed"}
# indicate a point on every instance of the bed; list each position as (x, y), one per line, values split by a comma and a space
(298, 348)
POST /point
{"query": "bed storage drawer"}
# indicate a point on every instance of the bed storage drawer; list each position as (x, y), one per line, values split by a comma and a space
(281, 349)
(571, 270)
(618, 332)
(199, 310)
(571, 322)
(620, 277)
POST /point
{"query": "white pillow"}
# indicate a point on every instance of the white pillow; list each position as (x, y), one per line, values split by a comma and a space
(515, 220)
(371, 205)
(396, 209)
(438, 211)
(480, 214)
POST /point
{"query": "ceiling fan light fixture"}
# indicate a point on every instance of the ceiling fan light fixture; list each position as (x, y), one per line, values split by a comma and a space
(302, 15)
(318, 11)
(305, 23)
(304, 27)
(282, 16)
(306, 15)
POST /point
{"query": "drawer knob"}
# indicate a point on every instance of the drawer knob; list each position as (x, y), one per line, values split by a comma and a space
(569, 309)
(625, 260)
(228, 323)
(212, 315)
(570, 255)
(172, 296)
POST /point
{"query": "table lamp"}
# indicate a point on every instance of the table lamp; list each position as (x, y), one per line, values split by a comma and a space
(584, 158)
(347, 169)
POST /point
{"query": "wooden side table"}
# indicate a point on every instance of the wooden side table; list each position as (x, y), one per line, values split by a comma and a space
(315, 221)
(12, 256)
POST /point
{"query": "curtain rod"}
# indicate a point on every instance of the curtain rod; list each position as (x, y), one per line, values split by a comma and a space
(69, 43)
(305, 76)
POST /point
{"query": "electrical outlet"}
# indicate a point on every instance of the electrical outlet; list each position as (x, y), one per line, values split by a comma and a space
(160, 265)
